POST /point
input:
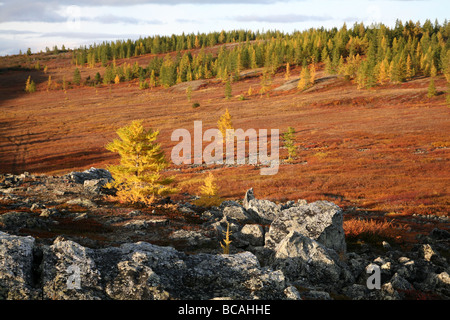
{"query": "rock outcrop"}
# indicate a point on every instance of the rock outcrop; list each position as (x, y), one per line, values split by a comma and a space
(293, 250)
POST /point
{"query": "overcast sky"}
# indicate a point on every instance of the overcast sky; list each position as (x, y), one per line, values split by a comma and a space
(38, 24)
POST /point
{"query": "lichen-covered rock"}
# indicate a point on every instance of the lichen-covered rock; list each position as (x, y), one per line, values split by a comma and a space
(90, 174)
(145, 271)
(17, 268)
(306, 260)
(69, 272)
(262, 211)
(321, 221)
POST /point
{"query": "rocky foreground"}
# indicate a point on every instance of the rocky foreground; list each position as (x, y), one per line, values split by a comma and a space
(59, 239)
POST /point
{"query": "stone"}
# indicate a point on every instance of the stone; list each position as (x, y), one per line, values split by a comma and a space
(263, 211)
(145, 271)
(400, 283)
(192, 238)
(17, 267)
(426, 252)
(82, 202)
(321, 221)
(46, 213)
(237, 212)
(253, 234)
(292, 293)
(95, 186)
(300, 257)
(90, 174)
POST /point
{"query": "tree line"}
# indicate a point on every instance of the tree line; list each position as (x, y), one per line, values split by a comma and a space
(370, 55)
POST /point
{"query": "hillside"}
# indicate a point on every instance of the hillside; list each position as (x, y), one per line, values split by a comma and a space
(378, 147)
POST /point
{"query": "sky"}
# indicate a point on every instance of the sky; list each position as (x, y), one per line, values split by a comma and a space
(38, 24)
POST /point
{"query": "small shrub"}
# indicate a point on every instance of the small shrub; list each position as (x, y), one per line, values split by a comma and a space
(226, 242)
(30, 86)
(195, 105)
(143, 85)
(431, 89)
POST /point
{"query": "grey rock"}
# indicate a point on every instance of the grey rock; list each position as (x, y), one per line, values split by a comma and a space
(95, 186)
(82, 202)
(237, 212)
(192, 238)
(252, 234)
(16, 268)
(136, 225)
(400, 283)
(263, 211)
(46, 213)
(321, 221)
(315, 295)
(292, 293)
(136, 281)
(66, 262)
(439, 234)
(90, 174)
(300, 257)
(17, 220)
(426, 252)
(356, 291)
(144, 271)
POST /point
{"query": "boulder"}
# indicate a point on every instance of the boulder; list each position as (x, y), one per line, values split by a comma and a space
(145, 271)
(17, 267)
(263, 211)
(252, 234)
(321, 221)
(308, 261)
(90, 174)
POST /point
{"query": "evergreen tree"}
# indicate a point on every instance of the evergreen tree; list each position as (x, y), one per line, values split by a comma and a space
(225, 123)
(109, 75)
(312, 73)
(288, 71)
(431, 89)
(266, 82)
(153, 79)
(305, 78)
(228, 89)
(409, 71)
(209, 189)
(383, 72)
(76, 76)
(167, 73)
(30, 86)
(289, 143)
(137, 178)
(189, 93)
(97, 78)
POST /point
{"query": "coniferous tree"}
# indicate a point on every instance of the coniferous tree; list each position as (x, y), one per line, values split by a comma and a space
(225, 123)
(305, 78)
(431, 89)
(137, 177)
(289, 143)
(288, 71)
(76, 76)
(228, 89)
(383, 72)
(30, 86)
(209, 189)
(312, 73)
(266, 82)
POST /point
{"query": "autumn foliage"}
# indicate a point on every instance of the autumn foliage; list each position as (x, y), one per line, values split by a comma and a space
(138, 177)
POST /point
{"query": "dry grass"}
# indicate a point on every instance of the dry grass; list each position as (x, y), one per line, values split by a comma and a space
(357, 227)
